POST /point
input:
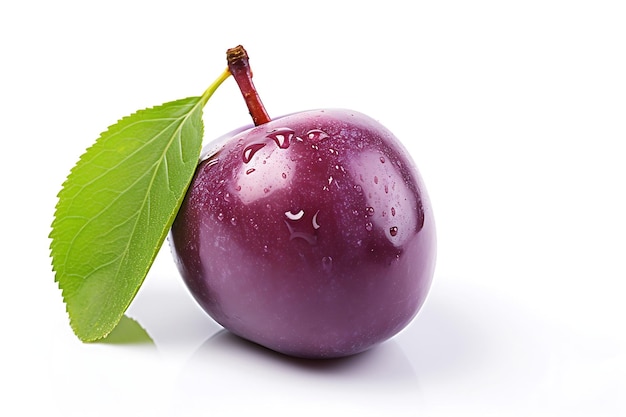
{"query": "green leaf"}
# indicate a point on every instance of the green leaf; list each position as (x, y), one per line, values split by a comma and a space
(128, 332)
(116, 207)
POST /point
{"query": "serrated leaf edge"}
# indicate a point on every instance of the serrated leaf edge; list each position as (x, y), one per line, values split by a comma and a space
(172, 216)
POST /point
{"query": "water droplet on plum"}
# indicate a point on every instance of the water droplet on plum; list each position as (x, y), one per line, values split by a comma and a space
(317, 135)
(303, 226)
(316, 225)
(294, 216)
(369, 226)
(282, 136)
(250, 150)
(393, 231)
(327, 263)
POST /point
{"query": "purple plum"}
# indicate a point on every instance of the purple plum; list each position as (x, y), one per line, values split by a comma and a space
(311, 234)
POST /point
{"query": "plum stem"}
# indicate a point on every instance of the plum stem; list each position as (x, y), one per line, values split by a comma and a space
(239, 67)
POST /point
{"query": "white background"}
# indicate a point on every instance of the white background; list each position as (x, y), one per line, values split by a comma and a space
(515, 113)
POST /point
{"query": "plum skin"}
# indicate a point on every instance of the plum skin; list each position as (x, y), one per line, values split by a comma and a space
(311, 235)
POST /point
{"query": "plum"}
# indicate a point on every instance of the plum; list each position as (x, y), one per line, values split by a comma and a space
(310, 234)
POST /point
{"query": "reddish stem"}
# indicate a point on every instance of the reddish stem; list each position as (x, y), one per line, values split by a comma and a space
(239, 67)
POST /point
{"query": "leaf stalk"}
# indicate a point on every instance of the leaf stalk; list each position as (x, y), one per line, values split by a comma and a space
(213, 87)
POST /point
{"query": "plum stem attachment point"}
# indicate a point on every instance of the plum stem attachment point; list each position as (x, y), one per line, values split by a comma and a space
(239, 67)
